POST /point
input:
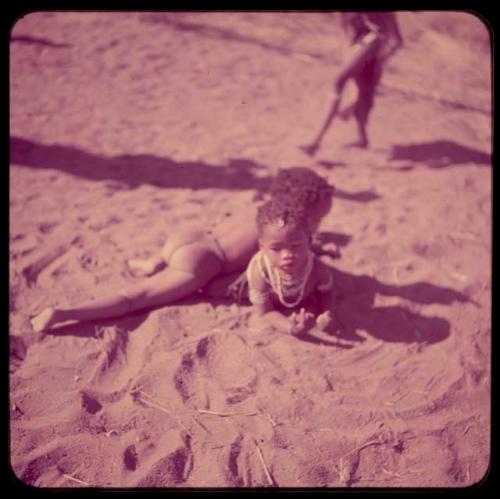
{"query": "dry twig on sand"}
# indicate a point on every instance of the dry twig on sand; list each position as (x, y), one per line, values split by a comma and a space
(76, 480)
(346, 467)
(137, 395)
(269, 477)
(226, 414)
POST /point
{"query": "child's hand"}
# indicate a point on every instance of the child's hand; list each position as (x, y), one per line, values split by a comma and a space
(301, 322)
(324, 320)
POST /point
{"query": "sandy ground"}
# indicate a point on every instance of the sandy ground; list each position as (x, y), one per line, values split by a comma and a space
(127, 126)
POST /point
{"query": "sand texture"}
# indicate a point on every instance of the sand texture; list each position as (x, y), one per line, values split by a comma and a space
(125, 127)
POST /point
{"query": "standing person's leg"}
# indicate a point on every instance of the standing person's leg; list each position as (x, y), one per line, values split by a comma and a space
(191, 268)
(314, 145)
(355, 63)
(367, 82)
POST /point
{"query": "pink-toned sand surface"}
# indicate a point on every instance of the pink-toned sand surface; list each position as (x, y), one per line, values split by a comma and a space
(125, 127)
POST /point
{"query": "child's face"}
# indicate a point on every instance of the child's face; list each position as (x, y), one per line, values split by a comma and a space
(286, 248)
(318, 211)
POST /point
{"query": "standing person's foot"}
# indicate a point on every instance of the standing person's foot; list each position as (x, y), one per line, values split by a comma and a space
(142, 268)
(362, 141)
(310, 149)
(43, 320)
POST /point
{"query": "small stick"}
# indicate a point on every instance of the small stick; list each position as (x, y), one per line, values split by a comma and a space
(419, 392)
(343, 472)
(266, 470)
(459, 277)
(273, 422)
(371, 442)
(390, 473)
(396, 275)
(153, 403)
(202, 425)
(81, 482)
(226, 414)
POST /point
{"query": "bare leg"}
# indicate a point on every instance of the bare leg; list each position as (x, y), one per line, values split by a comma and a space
(355, 62)
(361, 110)
(362, 141)
(164, 288)
(311, 148)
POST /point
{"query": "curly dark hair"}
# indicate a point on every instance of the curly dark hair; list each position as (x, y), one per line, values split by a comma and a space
(302, 185)
(281, 209)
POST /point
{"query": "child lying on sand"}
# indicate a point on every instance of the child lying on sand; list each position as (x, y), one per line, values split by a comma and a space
(285, 272)
(194, 258)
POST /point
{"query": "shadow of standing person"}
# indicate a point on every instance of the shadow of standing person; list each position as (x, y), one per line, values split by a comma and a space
(355, 310)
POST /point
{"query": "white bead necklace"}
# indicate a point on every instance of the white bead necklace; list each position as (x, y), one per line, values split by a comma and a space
(290, 287)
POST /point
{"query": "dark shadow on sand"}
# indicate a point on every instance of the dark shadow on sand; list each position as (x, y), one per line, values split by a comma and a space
(355, 309)
(334, 237)
(361, 196)
(131, 171)
(33, 40)
(330, 165)
(439, 154)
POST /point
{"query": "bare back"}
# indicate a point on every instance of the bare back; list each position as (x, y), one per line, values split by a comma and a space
(237, 236)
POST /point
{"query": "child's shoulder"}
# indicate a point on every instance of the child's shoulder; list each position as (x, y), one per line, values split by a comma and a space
(255, 276)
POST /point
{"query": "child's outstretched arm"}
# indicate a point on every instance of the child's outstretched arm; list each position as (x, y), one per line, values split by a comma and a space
(325, 290)
(259, 292)
(298, 322)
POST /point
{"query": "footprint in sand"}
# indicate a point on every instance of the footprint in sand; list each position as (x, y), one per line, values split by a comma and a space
(130, 458)
(89, 403)
(17, 352)
(38, 466)
(120, 359)
(217, 374)
(233, 474)
(170, 470)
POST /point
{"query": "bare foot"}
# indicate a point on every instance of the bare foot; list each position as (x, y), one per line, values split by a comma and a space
(310, 149)
(43, 320)
(141, 268)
